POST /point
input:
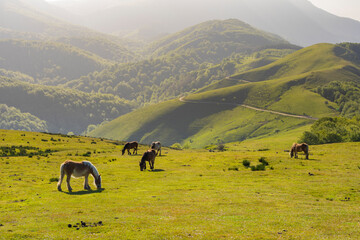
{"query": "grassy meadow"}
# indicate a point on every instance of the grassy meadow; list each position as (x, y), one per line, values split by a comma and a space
(191, 193)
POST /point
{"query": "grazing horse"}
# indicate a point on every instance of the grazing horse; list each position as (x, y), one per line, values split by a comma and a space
(149, 156)
(157, 147)
(298, 148)
(78, 169)
(130, 145)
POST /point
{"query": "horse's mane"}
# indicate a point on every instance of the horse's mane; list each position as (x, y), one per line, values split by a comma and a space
(92, 167)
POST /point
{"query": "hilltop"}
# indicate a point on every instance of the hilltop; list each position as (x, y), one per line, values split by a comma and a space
(214, 114)
(215, 40)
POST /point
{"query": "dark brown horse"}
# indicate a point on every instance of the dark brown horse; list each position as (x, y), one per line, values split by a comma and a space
(130, 145)
(149, 156)
(299, 147)
(78, 169)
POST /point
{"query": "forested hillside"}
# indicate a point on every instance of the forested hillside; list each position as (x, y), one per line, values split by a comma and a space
(63, 110)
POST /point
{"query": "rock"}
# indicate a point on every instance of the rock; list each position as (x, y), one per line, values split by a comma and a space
(69, 225)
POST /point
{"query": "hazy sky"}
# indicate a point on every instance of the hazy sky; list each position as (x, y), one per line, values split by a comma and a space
(343, 8)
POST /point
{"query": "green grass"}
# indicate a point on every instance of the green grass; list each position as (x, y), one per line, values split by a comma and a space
(192, 193)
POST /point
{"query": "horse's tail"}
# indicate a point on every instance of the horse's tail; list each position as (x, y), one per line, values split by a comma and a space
(62, 173)
(292, 150)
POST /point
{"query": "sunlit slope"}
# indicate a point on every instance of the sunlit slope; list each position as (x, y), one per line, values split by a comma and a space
(316, 58)
(221, 114)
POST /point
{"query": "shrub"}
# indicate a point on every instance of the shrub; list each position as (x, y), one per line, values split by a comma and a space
(246, 163)
(263, 161)
(259, 167)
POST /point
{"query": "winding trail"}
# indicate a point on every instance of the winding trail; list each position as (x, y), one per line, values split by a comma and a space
(253, 108)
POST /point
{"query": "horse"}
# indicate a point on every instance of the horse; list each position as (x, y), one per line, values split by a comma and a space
(78, 169)
(130, 145)
(156, 146)
(149, 156)
(298, 148)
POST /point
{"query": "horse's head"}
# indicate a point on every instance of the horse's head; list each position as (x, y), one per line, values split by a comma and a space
(142, 165)
(98, 182)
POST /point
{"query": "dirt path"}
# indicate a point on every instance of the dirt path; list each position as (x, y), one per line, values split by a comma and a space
(253, 108)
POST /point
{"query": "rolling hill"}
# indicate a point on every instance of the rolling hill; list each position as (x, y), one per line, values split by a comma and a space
(219, 112)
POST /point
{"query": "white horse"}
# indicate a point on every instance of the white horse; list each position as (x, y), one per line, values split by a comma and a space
(157, 147)
(78, 169)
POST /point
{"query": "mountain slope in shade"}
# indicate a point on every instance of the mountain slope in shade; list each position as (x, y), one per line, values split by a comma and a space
(19, 20)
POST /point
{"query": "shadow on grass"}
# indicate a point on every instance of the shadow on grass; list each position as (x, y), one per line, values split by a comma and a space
(157, 170)
(84, 192)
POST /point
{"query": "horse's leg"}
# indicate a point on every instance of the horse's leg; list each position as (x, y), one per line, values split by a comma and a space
(306, 154)
(129, 153)
(160, 151)
(68, 177)
(86, 182)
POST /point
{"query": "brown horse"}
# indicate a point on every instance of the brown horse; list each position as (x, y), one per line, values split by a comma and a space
(299, 148)
(157, 147)
(149, 156)
(130, 145)
(78, 169)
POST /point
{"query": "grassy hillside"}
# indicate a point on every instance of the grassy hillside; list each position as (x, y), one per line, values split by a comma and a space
(214, 114)
(64, 110)
(191, 194)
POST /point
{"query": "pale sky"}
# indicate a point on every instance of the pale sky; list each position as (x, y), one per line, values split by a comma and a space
(343, 8)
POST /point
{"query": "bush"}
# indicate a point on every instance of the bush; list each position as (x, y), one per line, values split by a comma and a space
(263, 161)
(259, 167)
(246, 163)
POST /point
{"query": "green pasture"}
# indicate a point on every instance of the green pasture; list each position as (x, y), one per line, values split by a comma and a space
(191, 194)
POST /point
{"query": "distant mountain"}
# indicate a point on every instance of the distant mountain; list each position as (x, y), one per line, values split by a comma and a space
(321, 80)
(20, 20)
(55, 109)
(298, 21)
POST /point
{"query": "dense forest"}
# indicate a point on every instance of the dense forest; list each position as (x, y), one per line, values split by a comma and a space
(62, 109)
(345, 94)
(12, 118)
(333, 130)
